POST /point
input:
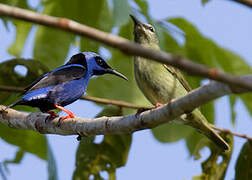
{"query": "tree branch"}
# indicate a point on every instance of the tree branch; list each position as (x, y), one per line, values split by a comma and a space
(123, 44)
(231, 132)
(87, 98)
(120, 124)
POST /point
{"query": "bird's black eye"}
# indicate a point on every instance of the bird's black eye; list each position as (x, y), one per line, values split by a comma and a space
(151, 29)
(101, 62)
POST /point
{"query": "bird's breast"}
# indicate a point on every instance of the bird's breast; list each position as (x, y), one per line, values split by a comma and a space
(156, 83)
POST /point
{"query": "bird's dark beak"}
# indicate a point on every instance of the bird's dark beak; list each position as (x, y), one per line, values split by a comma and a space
(135, 20)
(112, 71)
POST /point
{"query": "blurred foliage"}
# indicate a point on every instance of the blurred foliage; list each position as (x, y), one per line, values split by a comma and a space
(121, 11)
(22, 29)
(215, 166)
(17, 159)
(93, 158)
(204, 1)
(27, 141)
(52, 46)
(8, 69)
(243, 168)
(97, 15)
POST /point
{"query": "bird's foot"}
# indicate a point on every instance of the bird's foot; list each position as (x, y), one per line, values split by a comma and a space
(70, 115)
(140, 110)
(51, 116)
(157, 105)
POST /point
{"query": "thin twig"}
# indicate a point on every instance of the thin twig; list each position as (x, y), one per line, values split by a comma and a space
(11, 88)
(113, 102)
(124, 45)
(88, 98)
(231, 132)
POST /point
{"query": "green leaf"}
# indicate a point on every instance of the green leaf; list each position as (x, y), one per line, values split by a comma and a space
(197, 48)
(171, 132)
(204, 1)
(143, 5)
(22, 31)
(208, 111)
(51, 45)
(232, 100)
(100, 18)
(111, 153)
(7, 69)
(17, 159)
(170, 44)
(32, 142)
(211, 167)
(243, 167)
(202, 50)
(247, 100)
(17, 3)
(195, 142)
(121, 11)
(26, 140)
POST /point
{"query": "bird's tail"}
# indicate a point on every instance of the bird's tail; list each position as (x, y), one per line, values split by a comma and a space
(200, 123)
(18, 102)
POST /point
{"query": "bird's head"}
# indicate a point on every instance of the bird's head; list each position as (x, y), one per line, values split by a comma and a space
(94, 64)
(144, 33)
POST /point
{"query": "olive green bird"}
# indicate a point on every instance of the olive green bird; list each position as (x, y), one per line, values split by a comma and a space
(161, 83)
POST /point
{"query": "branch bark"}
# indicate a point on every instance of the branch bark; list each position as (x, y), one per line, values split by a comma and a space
(121, 124)
(123, 44)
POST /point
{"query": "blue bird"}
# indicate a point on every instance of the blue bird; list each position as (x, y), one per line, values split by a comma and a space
(64, 85)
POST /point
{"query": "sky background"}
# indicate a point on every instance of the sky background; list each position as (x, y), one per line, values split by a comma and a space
(225, 22)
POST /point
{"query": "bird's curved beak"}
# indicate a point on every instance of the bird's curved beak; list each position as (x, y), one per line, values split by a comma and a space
(112, 71)
(135, 20)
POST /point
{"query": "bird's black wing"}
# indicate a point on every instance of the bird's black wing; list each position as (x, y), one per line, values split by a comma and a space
(61, 75)
(178, 74)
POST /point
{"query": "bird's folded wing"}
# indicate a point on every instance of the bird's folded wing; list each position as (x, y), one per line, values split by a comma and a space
(178, 74)
(61, 75)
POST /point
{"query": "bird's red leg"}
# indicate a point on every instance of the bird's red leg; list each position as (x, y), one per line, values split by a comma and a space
(70, 114)
(51, 116)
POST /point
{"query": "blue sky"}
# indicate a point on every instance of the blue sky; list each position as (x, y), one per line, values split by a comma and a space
(225, 22)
